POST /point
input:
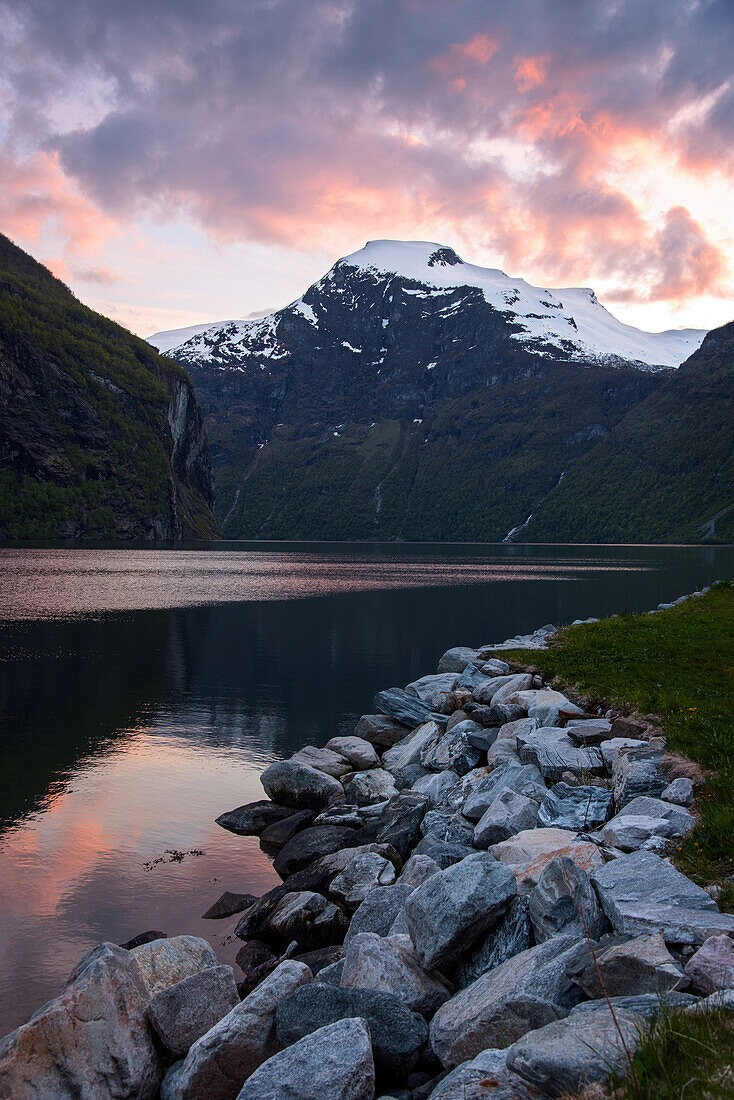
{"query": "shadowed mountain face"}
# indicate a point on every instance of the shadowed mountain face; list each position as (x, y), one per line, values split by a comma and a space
(99, 435)
(408, 395)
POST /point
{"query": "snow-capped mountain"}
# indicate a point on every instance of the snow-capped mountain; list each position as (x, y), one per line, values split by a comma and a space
(171, 338)
(570, 323)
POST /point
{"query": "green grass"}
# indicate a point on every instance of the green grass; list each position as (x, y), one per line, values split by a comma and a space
(678, 664)
(684, 1056)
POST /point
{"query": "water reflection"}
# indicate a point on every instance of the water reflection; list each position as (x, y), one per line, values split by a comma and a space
(142, 692)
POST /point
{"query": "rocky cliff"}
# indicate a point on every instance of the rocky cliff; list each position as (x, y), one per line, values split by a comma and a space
(99, 435)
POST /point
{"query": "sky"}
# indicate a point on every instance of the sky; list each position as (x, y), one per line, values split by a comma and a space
(180, 161)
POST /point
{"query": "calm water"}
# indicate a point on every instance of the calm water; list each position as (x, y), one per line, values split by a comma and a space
(142, 692)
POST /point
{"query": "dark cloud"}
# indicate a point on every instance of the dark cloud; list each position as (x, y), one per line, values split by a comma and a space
(285, 119)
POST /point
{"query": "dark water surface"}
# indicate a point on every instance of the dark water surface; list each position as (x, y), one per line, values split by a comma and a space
(142, 692)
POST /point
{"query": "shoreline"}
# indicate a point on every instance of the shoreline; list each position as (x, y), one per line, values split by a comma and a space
(476, 883)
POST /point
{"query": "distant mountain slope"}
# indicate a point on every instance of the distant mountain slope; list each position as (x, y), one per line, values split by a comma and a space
(408, 395)
(99, 435)
(665, 473)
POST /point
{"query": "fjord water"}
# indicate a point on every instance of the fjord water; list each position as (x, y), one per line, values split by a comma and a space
(143, 691)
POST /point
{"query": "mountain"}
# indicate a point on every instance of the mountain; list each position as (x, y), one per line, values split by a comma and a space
(665, 473)
(100, 436)
(172, 338)
(410, 395)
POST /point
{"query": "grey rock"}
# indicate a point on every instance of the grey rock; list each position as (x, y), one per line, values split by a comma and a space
(311, 844)
(724, 998)
(334, 864)
(495, 667)
(553, 752)
(398, 1035)
(442, 851)
(641, 892)
(256, 960)
(406, 777)
(401, 819)
(456, 659)
(278, 834)
(524, 779)
(184, 1012)
(646, 1004)
(390, 966)
(518, 996)
(250, 820)
(300, 785)
(566, 1055)
(580, 808)
(91, 1041)
(627, 966)
(712, 966)
(324, 760)
(432, 690)
(333, 1063)
(589, 731)
(680, 792)
(503, 752)
(529, 852)
(449, 827)
(165, 962)
(362, 875)
(511, 935)
(320, 958)
(635, 772)
(608, 748)
(378, 911)
(376, 785)
(471, 678)
(680, 820)
(436, 786)
(545, 705)
(510, 731)
(144, 937)
(332, 974)
(417, 870)
(218, 1064)
(564, 902)
(358, 752)
(228, 905)
(407, 708)
(380, 730)
(408, 751)
(308, 918)
(454, 907)
(469, 1081)
(452, 750)
(499, 688)
(629, 832)
(508, 813)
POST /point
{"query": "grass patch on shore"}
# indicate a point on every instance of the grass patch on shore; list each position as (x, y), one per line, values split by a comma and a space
(679, 665)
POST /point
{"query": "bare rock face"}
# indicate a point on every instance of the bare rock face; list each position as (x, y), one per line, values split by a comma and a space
(165, 962)
(333, 1063)
(91, 1041)
(219, 1063)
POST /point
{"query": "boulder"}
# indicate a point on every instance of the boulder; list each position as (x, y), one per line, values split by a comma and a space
(313, 843)
(471, 1081)
(679, 819)
(578, 808)
(250, 820)
(629, 727)
(511, 935)
(456, 659)
(567, 1055)
(398, 1035)
(470, 679)
(417, 870)
(378, 911)
(528, 853)
(589, 731)
(442, 852)
(333, 1063)
(507, 814)
(629, 832)
(300, 785)
(495, 667)
(91, 1041)
(308, 918)
(363, 874)
(680, 792)
(524, 993)
(432, 690)
(545, 705)
(218, 1064)
(408, 751)
(324, 760)
(144, 937)
(553, 752)
(379, 729)
(447, 826)
(637, 771)
(454, 750)
(641, 892)
(331, 865)
(165, 962)
(389, 965)
(277, 835)
(503, 752)
(724, 998)
(357, 751)
(366, 788)
(332, 974)
(453, 907)
(184, 1012)
(639, 965)
(256, 960)
(510, 731)
(227, 906)
(712, 966)
(435, 786)
(407, 708)
(400, 821)
(608, 749)
(500, 688)
(564, 902)
(522, 779)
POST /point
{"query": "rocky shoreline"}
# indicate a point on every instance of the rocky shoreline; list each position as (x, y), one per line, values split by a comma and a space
(477, 900)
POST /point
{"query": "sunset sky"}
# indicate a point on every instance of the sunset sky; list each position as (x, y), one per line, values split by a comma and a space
(178, 161)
